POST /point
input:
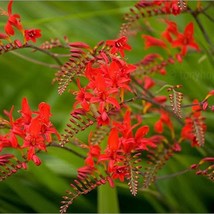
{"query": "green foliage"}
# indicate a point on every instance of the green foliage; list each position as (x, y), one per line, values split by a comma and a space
(39, 189)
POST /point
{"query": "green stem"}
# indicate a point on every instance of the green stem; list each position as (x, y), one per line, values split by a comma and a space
(209, 17)
(201, 27)
(34, 61)
(107, 199)
(46, 52)
(163, 87)
(173, 175)
(53, 144)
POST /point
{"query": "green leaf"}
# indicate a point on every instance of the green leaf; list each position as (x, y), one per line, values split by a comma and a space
(107, 199)
(31, 197)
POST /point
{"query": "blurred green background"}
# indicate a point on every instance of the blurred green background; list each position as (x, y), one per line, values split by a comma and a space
(39, 189)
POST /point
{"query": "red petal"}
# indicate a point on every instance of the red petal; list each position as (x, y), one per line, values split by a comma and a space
(189, 30)
(89, 161)
(9, 29)
(113, 102)
(151, 41)
(35, 127)
(14, 141)
(9, 7)
(141, 132)
(148, 82)
(211, 92)
(44, 112)
(25, 107)
(158, 126)
(113, 140)
(100, 84)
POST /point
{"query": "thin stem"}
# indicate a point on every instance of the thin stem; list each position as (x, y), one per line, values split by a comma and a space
(46, 52)
(150, 99)
(203, 31)
(191, 105)
(173, 175)
(61, 55)
(53, 144)
(211, 4)
(209, 17)
(163, 87)
(201, 27)
(142, 88)
(34, 61)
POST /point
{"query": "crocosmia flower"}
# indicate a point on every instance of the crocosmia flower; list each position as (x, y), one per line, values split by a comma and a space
(32, 34)
(119, 45)
(14, 20)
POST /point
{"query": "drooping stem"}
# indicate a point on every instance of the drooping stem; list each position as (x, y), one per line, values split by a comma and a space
(54, 144)
(46, 52)
(201, 27)
(148, 93)
(14, 46)
(34, 61)
(174, 174)
(208, 16)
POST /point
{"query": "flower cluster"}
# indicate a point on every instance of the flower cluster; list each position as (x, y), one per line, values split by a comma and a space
(172, 38)
(123, 102)
(194, 122)
(29, 133)
(14, 22)
(124, 139)
(174, 7)
(107, 80)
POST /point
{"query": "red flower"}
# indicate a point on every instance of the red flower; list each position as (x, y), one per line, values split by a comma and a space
(35, 131)
(94, 153)
(142, 142)
(25, 112)
(164, 119)
(186, 39)
(82, 97)
(118, 74)
(34, 139)
(151, 41)
(171, 30)
(13, 21)
(47, 129)
(148, 82)
(118, 172)
(32, 34)
(119, 45)
(103, 118)
(104, 95)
